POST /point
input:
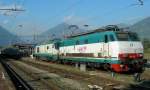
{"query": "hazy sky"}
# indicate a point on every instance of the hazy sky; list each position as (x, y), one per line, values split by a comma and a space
(41, 15)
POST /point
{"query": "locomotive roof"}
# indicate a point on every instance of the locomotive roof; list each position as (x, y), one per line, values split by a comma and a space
(95, 31)
(49, 42)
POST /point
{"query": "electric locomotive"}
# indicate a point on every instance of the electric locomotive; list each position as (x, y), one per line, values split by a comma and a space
(47, 51)
(109, 47)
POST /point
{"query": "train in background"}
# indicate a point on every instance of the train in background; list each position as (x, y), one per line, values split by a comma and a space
(11, 52)
(111, 48)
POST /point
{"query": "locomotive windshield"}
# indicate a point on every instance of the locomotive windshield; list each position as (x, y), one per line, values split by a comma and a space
(133, 37)
(127, 37)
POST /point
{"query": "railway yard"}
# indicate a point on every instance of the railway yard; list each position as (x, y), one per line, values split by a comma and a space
(70, 65)
(59, 45)
(42, 75)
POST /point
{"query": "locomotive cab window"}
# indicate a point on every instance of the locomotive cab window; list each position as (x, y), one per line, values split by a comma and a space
(133, 37)
(122, 37)
(127, 37)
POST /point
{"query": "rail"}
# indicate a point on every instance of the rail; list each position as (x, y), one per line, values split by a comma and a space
(19, 83)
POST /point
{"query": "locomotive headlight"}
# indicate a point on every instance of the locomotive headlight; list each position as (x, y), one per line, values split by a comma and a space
(140, 55)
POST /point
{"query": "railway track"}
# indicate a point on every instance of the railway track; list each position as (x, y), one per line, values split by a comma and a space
(24, 79)
(34, 78)
(68, 72)
(54, 81)
(105, 83)
(18, 81)
(128, 79)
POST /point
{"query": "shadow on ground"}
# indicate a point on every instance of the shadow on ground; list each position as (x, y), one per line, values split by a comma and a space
(143, 85)
(147, 65)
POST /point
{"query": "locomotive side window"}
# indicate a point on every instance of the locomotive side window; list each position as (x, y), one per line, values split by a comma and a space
(53, 46)
(86, 41)
(47, 47)
(77, 42)
(106, 38)
(111, 38)
(56, 45)
(38, 50)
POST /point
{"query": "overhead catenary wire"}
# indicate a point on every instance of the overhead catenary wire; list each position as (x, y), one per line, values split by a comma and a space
(67, 9)
(70, 7)
(140, 3)
(12, 18)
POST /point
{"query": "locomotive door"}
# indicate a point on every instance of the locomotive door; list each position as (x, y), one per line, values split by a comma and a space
(106, 46)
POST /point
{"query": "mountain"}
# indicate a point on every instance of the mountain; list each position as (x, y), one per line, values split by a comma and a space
(6, 37)
(60, 31)
(142, 28)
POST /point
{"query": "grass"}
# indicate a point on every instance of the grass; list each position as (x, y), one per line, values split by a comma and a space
(147, 55)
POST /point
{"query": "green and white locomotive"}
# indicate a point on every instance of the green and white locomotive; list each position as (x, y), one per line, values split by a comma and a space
(109, 47)
(47, 51)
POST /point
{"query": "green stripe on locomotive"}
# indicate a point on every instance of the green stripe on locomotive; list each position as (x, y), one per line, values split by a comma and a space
(92, 38)
(48, 56)
(92, 60)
